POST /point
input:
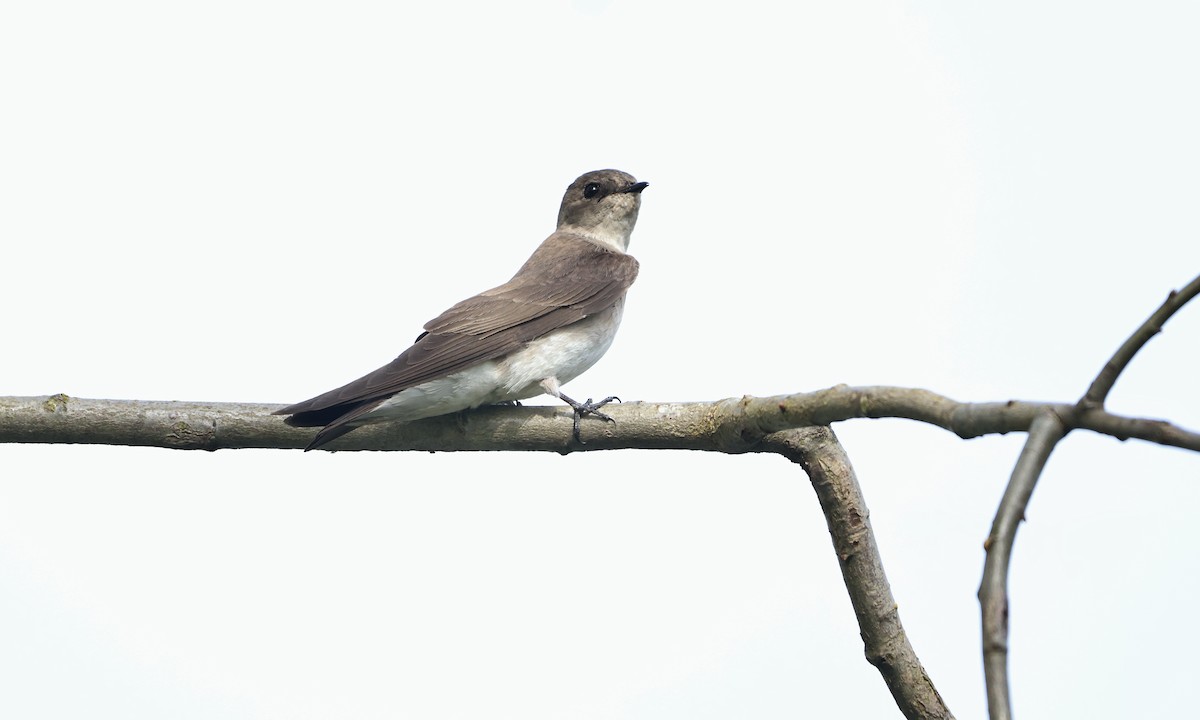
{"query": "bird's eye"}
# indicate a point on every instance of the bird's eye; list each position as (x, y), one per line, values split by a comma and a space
(590, 190)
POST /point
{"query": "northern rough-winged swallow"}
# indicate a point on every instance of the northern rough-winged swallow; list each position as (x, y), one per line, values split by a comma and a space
(552, 321)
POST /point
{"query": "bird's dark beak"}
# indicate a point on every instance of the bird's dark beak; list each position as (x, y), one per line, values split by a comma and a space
(636, 187)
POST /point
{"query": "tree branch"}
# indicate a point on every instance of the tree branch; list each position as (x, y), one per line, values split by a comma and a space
(1098, 392)
(1047, 430)
(734, 425)
(886, 645)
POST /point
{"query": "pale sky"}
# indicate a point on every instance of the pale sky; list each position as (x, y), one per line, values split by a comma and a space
(258, 201)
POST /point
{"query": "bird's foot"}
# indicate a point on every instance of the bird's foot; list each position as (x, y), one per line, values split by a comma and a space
(587, 408)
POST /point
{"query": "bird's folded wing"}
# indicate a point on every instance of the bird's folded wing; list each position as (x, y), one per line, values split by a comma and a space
(567, 279)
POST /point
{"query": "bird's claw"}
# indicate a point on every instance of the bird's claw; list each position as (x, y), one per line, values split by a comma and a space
(588, 408)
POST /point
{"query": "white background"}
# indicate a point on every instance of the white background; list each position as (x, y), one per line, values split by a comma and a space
(258, 201)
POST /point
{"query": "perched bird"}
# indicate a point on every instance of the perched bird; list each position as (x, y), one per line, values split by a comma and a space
(552, 321)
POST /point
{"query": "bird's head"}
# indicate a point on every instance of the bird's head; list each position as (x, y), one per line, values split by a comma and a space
(602, 205)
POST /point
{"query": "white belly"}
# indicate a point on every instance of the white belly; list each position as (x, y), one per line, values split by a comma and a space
(561, 356)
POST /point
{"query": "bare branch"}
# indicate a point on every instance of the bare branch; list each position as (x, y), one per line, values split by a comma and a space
(1047, 430)
(886, 644)
(1098, 392)
(732, 426)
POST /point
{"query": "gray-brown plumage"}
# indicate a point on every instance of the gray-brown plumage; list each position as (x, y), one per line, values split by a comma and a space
(542, 328)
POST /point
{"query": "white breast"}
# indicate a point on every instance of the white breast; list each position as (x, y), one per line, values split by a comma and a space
(563, 354)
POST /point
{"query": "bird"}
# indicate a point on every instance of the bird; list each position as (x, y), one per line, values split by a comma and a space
(548, 324)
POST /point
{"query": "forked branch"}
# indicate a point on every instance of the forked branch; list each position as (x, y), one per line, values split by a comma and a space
(1047, 430)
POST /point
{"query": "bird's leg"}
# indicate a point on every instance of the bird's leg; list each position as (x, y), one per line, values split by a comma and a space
(587, 408)
(550, 385)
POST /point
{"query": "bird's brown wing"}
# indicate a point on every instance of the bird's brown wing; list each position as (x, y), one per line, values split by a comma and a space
(566, 279)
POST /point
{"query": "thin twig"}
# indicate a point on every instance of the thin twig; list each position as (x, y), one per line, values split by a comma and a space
(886, 644)
(1048, 428)
(1098, 392)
